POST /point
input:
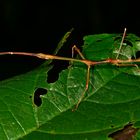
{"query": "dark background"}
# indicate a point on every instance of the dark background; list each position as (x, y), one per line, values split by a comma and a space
(37, 26)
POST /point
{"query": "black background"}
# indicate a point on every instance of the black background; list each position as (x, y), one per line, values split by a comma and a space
(37, 26)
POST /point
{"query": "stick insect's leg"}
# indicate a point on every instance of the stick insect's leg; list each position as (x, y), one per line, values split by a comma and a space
(86, 88)
(87, 77)
(78, 51)
(125, 65)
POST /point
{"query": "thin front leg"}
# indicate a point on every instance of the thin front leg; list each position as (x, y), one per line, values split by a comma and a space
(74, 48)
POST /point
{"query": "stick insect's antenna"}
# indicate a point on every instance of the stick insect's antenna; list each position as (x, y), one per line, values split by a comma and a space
(124, 34)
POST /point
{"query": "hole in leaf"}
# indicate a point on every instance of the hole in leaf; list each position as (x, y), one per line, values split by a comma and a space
(37, 94)
(127, 133)
(53, 74)
(128, 43)
(137, 55)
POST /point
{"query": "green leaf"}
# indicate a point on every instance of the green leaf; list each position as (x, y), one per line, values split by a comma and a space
(111, 102)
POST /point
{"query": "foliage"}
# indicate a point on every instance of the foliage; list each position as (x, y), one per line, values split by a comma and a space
(111, 102)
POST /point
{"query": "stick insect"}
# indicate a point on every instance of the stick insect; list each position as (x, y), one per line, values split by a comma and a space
(88, 63)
